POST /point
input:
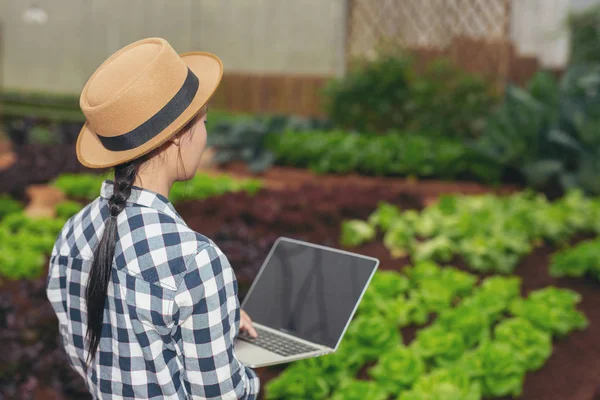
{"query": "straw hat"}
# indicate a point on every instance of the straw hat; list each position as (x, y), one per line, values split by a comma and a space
(140, 97)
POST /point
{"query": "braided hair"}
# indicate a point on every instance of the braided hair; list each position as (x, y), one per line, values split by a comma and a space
(103, 254)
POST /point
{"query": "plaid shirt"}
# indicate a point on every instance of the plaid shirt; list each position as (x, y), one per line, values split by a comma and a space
(171, 314)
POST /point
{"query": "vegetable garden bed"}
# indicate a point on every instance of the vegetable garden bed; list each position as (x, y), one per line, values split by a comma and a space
(572, 371)
(245, 227)
(284, 178)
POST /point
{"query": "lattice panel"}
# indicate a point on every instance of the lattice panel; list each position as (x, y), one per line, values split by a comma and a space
(428, 25)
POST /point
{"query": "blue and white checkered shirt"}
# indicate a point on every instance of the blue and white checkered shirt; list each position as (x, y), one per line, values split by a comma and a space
(171, 314)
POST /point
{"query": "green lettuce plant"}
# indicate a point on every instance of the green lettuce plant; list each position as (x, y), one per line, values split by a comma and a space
(385, 297)
(438, 345)
(356, 232)
(578, 261)
(334, 368)
(552, 310)
(24, 243)
(9, 206)
(495, 366)
(298, 383)
(371, 336)
(359, 390)
(531, 345)
(494, 296)
(66, 209)
(491, 233)
(397, 369)
(201, 186)
(398, 153)
(444, 384)
(384, 216)
(466, 321)
(435, 288)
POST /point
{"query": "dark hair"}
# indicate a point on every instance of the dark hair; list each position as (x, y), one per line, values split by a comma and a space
(99, 278)
(104, 252)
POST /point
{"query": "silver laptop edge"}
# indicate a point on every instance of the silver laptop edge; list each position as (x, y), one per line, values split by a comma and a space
(321, 348)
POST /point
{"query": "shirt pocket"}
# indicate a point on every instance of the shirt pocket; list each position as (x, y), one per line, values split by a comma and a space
(148, 306)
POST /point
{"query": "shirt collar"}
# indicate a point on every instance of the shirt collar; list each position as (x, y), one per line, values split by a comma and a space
(143, 197)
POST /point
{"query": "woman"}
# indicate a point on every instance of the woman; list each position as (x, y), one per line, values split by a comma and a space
(147, 307)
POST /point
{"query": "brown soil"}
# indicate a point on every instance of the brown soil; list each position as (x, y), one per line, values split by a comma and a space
(245, 228)
(573, 371)
(278, 177)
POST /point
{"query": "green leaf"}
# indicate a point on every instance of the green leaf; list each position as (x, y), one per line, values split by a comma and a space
(356, 232)
(359, 390)
(297, 383)
(444, 384)
(499, 371)
(532, 346)
(551, 310)
(397, 370)
(438, 345)
(372, 336)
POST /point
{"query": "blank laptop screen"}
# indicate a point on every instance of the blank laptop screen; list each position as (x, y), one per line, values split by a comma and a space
(308, 291)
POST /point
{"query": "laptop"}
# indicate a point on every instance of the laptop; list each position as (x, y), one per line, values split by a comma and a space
(302, 302)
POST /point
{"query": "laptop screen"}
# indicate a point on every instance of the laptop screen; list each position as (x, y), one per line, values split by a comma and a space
(307, 291)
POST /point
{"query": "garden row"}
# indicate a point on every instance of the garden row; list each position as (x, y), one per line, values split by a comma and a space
(245, 226)
(484, 340)
(488, 233)
(441, 123)
(26, 242)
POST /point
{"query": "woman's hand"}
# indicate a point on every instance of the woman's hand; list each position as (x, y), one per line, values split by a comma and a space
(246, 324)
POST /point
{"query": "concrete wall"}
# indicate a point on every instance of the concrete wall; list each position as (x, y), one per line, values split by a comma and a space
(258, 36)
(268, 37)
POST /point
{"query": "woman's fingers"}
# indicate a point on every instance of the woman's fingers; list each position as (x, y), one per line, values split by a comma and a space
(246, 324)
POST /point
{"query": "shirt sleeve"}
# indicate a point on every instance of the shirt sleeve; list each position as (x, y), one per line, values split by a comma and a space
(207, 317)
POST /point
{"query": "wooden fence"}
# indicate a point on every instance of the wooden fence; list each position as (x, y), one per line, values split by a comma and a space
(260, 93)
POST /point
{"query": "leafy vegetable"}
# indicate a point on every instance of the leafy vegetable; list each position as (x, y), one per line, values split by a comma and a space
(80, 186)
(297, 383)
(24, 242)
(439, 248)
(494, 365)
(438, 345)
(444, 384)
(548, 135)
(67, 209)
(384, 216)
(201, 186)
(435, 288)
(530, 344)
(247, 139)
(455, 358)
(395, 154)
(398, 369)
(467, 321)
(578, 261)
(335, 367)
(8, 206)
(372, 336)
(356, 232)
(360, 390)
(491, 233)
(552, 310)
(385, 298)
(493, 297)
(387, 92)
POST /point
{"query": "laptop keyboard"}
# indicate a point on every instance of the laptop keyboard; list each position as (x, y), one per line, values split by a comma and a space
(281, 345)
